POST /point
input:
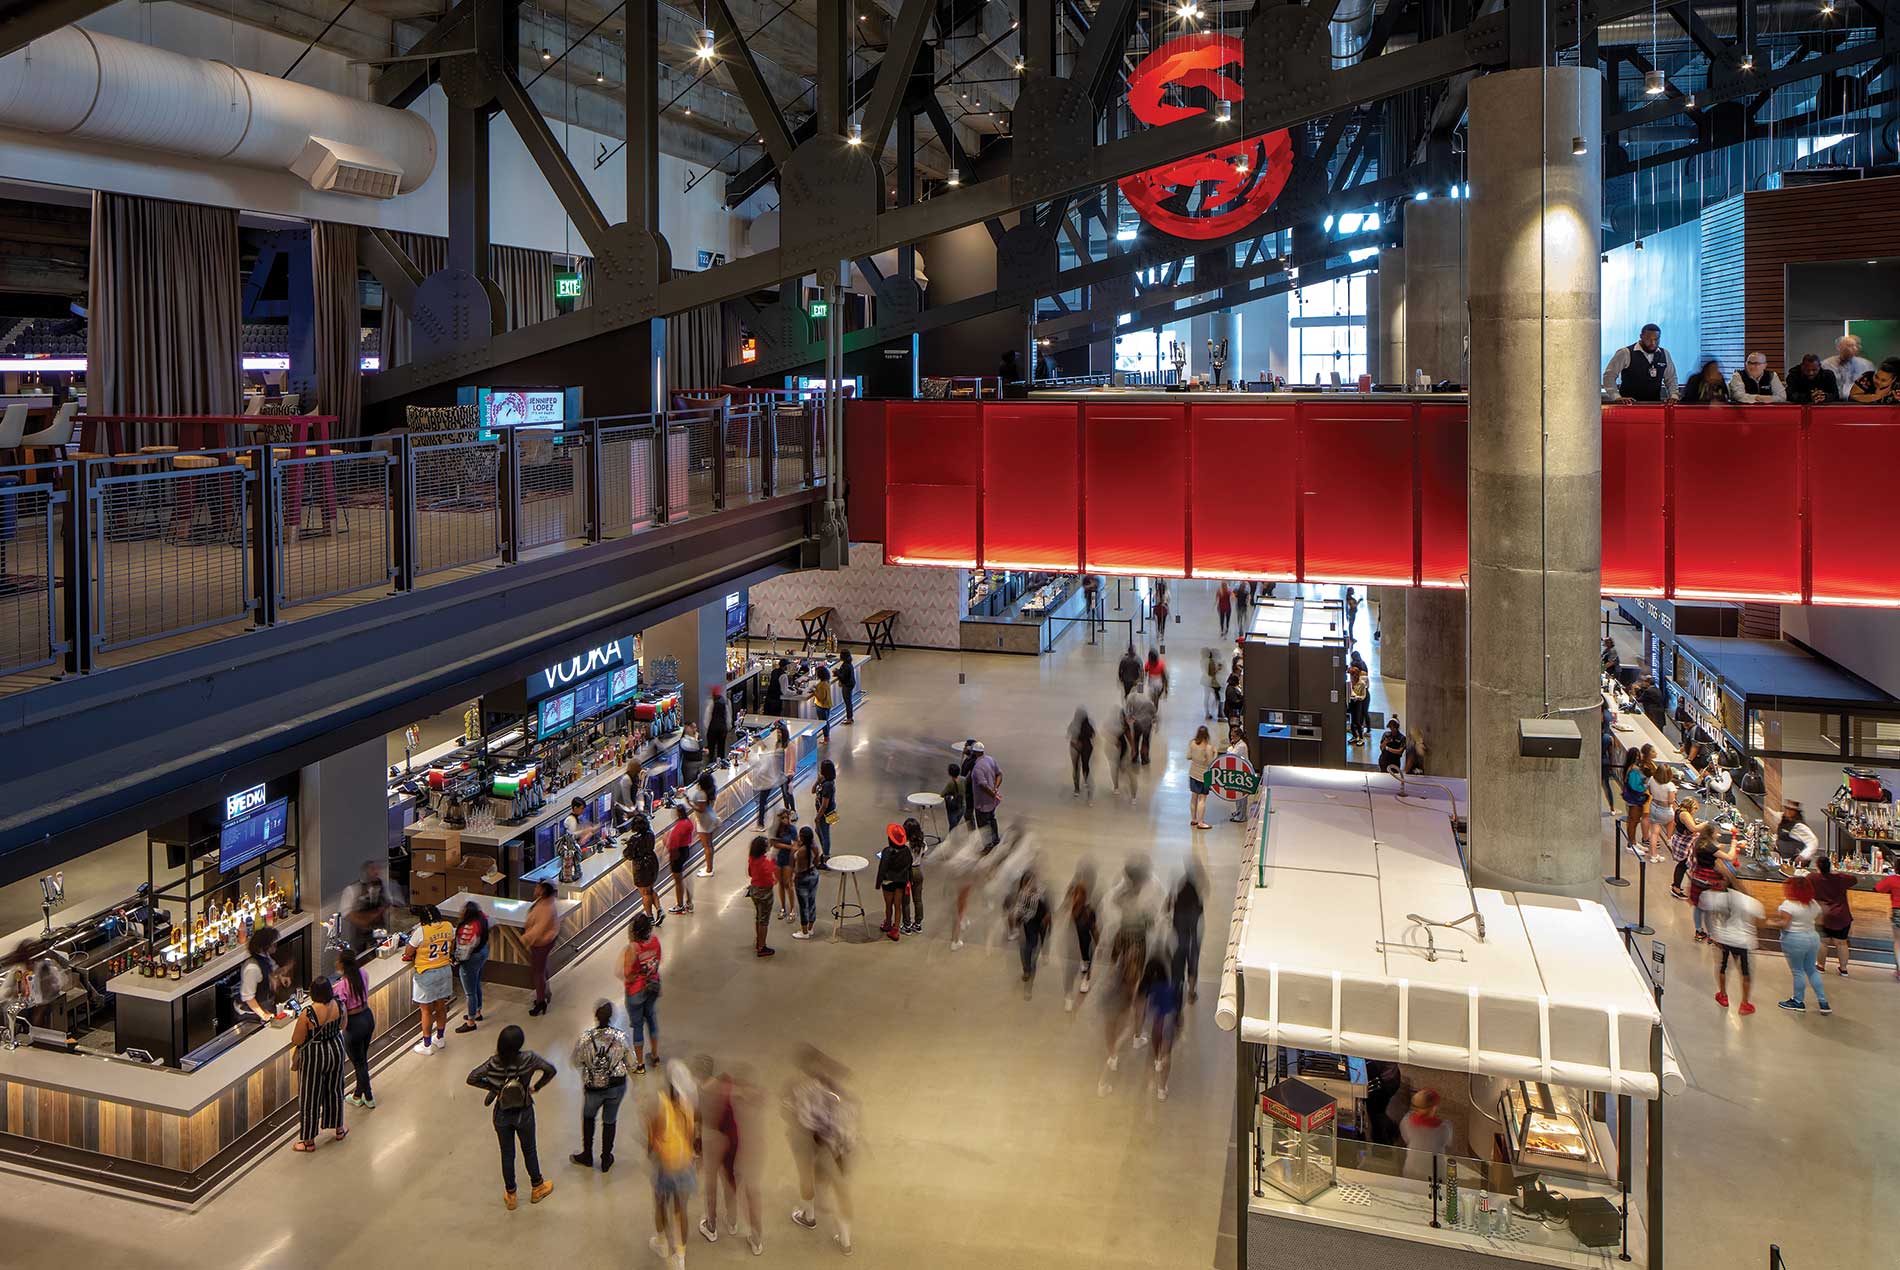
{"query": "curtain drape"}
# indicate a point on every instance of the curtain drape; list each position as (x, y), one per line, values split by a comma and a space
(162, 318)
(339, 325)
(431, 255)
(695, 348)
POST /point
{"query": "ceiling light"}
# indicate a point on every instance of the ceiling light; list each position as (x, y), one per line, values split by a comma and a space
(599, 78)
(1240, 165)
(1020, 64)
(1421, 196)
(955, 180)
(1639, 244)
(689, 110)
(546, 56)
(1653, 83)
(1187, 10)
(1225, 114)
(707, 49)
(1579, 146)
(857, 135)
(1748, 61)
(1827, 8)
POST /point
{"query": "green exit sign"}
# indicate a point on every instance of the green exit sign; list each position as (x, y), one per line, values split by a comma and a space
(821, 308)
(567, 286)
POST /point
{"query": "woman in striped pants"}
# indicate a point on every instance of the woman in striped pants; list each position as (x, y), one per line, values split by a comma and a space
(318, 1042)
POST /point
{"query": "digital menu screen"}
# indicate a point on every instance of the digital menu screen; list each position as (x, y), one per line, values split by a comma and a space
(738, 609)
(590, 698)
(241, 841)
(624, 682)
(557, 712)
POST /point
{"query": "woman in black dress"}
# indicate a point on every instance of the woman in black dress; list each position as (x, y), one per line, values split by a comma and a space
(641, 853)
(318, 1045)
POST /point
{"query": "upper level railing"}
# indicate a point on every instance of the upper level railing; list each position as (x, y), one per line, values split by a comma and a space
(106, 559)
(1771, 502)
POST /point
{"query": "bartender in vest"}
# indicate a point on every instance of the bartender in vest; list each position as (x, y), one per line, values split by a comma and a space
(1642, 372)
(260, 980)
(366, 907)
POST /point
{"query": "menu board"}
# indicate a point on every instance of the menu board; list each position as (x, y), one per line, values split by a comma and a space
(241, 841)
(624, 682)
(590, 698)
(557, 712)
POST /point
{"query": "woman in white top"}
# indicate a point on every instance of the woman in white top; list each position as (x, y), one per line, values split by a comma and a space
(1200, 754)
(1662, 810)
(1800, 942)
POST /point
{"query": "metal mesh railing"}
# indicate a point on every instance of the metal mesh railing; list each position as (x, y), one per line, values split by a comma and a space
(748, 445)
(457, 516)
(794, 452)
(551, 503)
(627, 497)
(171, 539)
(338, 532)
(30, 500)
(692, 441)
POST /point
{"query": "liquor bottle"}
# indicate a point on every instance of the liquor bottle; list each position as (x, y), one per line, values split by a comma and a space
(1451, 1192)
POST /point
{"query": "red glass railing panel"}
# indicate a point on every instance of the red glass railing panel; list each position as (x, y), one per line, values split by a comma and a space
(1244, 502)
(933, 454)
(1735, 490)
(1031, 486)
(1135, 488)
(1852, 451)
(1356, 491)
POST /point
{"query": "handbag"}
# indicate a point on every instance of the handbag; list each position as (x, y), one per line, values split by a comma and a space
(831, 817)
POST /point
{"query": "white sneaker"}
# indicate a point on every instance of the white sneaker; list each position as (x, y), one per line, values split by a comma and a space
(709, 1230)
(1083, 984)
(955, 944)
(1161, 1093)
(1103, 1087)
(799, 934)
(1141, 1041)
(843, 1242)
(804, 1219)
(1158, 1063)
(1068, 1004)
(661, 1248)
(705, 873)
(1114, 1062)
(421, 1047)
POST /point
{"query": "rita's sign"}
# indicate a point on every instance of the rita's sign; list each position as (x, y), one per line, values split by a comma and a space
(1222, 191)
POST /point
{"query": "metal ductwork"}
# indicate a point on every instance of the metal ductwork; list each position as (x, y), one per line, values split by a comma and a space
(87, 86)
(1779, 20)
(1349, 30)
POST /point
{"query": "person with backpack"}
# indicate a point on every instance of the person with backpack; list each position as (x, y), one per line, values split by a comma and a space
(643, 856)
(512, 1078)
(672, 1126)
(823, 1124)
(1210, 675)
(471, 958)
(640, 975)
(600, 1055)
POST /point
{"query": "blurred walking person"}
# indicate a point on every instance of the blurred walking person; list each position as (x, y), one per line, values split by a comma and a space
(1210, 681)
(1078, 905)
(1127, 764)
(823, 1122)
(986, 792)
(672, 1129)
(729, 1151)
(600, 1056)
(1030, 916)
(1082, 752)
(1161, 1010)
(1128, 670)
(1224, 606)
(1185, 913)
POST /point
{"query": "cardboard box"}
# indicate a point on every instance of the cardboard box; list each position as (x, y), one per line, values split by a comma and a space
(428, 888)
(470, 880)
(435, 852)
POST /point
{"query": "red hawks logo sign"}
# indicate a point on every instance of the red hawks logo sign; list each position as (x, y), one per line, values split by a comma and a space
(1214, 194)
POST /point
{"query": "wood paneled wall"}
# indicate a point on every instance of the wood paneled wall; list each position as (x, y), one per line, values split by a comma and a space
(1723, 331)
(1840, 221)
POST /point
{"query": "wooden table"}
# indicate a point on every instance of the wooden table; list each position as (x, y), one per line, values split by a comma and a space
(817, 624)
(877, 632)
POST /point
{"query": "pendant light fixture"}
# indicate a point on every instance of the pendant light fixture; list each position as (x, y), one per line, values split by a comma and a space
(1654, 85)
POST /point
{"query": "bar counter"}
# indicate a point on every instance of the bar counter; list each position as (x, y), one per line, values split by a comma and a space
(1202, 395)
(88, 1116)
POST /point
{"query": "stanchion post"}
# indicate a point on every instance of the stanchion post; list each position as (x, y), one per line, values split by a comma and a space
(1617, 879)
(1642, 897)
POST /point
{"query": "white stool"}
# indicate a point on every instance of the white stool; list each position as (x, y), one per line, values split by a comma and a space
(847, 867)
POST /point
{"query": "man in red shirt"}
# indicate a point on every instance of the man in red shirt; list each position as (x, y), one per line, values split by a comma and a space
(1890, 887)
(762, 875)
(679, 846)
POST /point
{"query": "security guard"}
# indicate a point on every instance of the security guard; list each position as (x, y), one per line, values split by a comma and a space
(1642, 372)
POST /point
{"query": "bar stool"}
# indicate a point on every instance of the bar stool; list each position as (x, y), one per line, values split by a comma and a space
(140, 507)
(847, 867)
(185, 508)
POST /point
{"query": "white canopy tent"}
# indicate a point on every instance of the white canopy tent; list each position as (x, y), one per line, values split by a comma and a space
(1354, 933)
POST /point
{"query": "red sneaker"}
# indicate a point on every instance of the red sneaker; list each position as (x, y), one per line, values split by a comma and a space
(892, 932)
(1721, 999)
(1748, 1007)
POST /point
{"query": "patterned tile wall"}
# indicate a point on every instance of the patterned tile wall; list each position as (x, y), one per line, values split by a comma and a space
(930, 602)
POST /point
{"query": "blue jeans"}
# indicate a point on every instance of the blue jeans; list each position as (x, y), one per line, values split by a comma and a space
(823, 828)
(806, 886)
(512, 1127)
(643, 1014)
(471, 972)
(1800, 948)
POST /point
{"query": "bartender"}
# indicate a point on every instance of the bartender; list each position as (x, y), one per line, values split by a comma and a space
(577, 824)
(692, 752)
(630, 789)
(1793, 839)
(1697, 757)
(366, 907)
(260, 981)
(778, 687)
(1642, 372)
(1649, 696)
(718, 725)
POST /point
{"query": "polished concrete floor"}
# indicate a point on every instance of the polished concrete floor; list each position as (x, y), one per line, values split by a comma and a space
(986, 1143)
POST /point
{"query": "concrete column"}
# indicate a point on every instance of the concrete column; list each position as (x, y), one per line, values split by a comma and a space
(1536, 473)
(1436, 253)
(342, 818)
(1390, 623)
(1435, 676)
(1387, 341)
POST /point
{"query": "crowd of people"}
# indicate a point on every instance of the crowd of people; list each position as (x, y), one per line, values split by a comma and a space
(1644, 371)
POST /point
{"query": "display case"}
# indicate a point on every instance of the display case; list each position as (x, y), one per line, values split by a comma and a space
(1302, 1139)
(1549, 1128)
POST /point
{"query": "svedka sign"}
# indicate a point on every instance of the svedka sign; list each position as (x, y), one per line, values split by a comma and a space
(244, 802)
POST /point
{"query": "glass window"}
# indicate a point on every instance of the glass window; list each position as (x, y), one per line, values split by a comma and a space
(1875, 739)
(1794, 732)
(1328, 333)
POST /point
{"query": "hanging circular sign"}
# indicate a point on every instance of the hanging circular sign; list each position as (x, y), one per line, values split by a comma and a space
(1232, 777)
(1222, 191)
